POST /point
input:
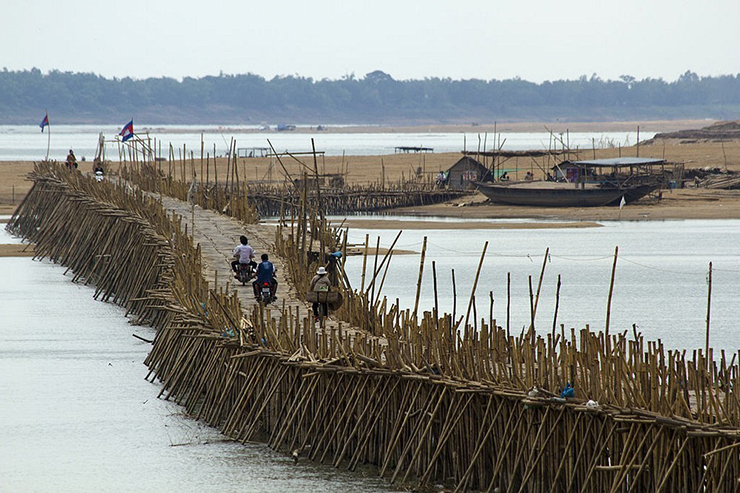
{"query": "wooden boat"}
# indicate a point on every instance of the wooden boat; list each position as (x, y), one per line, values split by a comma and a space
(555, 194)
(591, 183)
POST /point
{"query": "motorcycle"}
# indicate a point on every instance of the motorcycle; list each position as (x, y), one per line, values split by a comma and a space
(245, 273)
(265, 293)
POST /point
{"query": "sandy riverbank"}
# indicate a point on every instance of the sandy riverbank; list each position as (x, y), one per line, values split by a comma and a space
(17, 250)
(675, 205)
(398, 224)
(363, 170)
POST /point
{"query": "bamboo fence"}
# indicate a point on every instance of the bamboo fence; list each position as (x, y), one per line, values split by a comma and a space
(426, 398)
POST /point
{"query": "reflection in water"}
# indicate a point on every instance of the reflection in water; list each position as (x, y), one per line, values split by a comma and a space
(76, 413)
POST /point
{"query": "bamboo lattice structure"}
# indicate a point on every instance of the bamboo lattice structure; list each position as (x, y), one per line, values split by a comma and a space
(426, 398)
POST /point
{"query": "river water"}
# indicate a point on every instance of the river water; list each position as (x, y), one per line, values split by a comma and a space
(27, 143)
(660, 279)
(76, 413)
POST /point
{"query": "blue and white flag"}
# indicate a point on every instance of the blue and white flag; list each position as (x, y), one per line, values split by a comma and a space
(44, 122)
(127, 132)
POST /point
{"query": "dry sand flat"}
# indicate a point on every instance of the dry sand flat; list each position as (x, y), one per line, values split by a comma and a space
(394, 167)
(17, 250)
(680, 204)
(676, 204)
(398, 224)
(13, 184)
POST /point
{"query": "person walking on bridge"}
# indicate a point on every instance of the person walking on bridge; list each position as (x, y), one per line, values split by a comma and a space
(320, 284)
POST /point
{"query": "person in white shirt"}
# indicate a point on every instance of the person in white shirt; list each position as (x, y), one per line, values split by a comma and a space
(243, 254)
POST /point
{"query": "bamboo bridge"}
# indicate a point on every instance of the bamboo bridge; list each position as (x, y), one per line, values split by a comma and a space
(428, 400)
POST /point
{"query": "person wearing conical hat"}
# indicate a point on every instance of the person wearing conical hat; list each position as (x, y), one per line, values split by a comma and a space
(320, 283)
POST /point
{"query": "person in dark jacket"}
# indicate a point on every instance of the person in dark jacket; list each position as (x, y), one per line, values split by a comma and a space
(265, 273)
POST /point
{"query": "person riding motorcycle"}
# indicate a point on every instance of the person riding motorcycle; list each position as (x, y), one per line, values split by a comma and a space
(265, 273)
(243, 254)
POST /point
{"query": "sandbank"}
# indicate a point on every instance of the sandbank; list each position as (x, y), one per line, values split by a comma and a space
(17, 250)
(690, 203)
(399, 224)
(674, 205)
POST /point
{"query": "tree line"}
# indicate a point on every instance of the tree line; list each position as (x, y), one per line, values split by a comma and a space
(374, 98)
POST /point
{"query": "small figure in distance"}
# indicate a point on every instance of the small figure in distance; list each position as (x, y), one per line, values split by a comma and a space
(243, 254)
(265, 273)
(320, 283)
(504, 177)
(71, 160)
(98, 167)
(98, 170)
(529, 176)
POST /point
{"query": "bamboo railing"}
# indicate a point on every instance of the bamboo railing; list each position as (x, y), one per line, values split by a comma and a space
(426, 398)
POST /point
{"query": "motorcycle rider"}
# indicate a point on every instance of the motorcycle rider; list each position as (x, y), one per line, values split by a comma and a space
(265, 273)
(320, 283)
(243, 254)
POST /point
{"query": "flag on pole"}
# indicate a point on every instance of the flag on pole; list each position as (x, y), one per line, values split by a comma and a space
(622, 203)
(44, 122)
(127, 132)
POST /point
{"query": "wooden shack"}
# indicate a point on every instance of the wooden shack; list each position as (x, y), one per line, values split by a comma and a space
(463, 174)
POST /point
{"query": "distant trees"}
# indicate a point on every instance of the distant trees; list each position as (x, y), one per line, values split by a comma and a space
(375, 98)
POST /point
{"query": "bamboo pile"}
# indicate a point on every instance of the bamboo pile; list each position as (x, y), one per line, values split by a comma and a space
(726, 181)
(428, 398)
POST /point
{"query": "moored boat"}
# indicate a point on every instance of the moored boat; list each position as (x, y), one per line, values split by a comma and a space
(582, 184)
(554, 194)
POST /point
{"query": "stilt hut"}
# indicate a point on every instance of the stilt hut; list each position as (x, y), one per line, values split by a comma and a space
(464, 173)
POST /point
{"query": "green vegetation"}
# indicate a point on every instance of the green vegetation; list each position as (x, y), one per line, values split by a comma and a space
(375, 98)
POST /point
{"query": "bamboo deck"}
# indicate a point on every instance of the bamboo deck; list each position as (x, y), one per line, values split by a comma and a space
(423, 396)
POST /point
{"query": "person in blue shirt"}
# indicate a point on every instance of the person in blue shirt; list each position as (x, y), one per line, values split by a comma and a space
(265, 273)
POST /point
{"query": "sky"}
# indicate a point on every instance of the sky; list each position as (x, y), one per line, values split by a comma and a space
(534, 40)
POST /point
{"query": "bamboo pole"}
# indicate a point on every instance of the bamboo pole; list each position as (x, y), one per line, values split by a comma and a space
(611, 290)
(709, 306)
(475, 282)
(421, 272)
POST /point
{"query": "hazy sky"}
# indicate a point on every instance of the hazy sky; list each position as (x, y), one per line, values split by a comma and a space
(410, 39)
